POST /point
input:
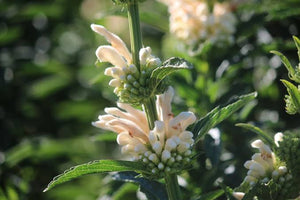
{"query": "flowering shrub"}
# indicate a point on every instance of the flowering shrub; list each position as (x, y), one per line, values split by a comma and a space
(165, 148)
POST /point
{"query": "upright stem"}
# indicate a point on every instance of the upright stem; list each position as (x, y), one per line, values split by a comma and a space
(149, 106)
(134, 31)
(150, 110)
(172, 187)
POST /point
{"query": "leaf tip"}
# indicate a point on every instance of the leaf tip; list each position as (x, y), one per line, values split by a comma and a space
(46, 189)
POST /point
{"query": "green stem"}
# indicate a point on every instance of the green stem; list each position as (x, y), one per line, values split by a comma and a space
(149, 106)
(134, 31)
(150, 110)
(172, 187)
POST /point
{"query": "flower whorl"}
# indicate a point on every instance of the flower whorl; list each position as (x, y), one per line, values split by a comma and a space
(131, 84)
(165, 148)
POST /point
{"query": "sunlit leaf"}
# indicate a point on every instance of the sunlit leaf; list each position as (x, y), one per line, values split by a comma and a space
(297, 42)
(99, 166)
(169, 66)
(265, 137)
(218, 114)
(286, 63)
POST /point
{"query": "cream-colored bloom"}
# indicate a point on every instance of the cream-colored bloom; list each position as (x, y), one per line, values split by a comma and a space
(192, 22)
(263, 164)
(278, 137)
(238, 195)
(129, 82)
(164, 146)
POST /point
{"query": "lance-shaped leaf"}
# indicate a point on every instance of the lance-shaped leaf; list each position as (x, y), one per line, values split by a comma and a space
(219, 114)
(265, 137)
(287, 64)
(169, 66)
(297, 42)
(99, 166)
(294, 94)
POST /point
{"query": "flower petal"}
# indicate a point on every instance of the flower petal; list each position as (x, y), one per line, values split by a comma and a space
(115, 41)
(139, 115)
(131, 127)
(109, 54)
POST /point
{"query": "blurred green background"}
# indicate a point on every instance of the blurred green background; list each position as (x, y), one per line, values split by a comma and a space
(51, 91)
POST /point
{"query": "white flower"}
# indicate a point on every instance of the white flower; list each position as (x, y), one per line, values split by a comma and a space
(238, 195)
(191, 21)
(263, 164)
(278, 137)
(129, 82)
(164, 146)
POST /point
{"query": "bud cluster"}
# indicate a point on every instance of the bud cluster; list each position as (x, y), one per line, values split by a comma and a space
(263, 165)
(290, 107)
(166, 148)
(133, 86)
(288, 151)
(170, 156)
(273, 176)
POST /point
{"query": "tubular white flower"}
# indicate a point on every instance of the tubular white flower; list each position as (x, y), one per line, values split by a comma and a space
(166, 144)
(130, 82)
(115, 41)
(110, 54)
(263, 165)
(238, 195)
(278, 137)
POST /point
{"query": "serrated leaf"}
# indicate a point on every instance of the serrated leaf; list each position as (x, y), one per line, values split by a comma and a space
(297, 42)
(169, 66)
(99, 166)
(211, 195)
(152, 189)
(286, 63)
(293, 92)
(218, 114)
(265, 137)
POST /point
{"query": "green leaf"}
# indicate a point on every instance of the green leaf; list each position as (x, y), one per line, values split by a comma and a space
(99, 166)
(152, 189)
(218, 114)
(265, 137)
(169, 66)
(211, 195)
(286, 63)
(297, 42)
(293, 92)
